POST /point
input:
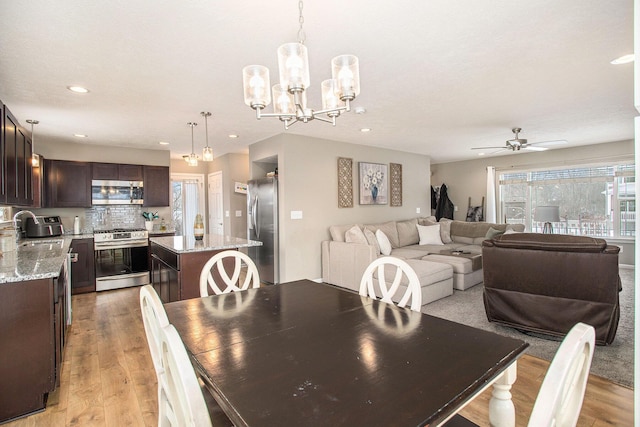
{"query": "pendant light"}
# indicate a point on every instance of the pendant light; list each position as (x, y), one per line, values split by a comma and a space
(207, 152)
(35, 158)
(191, 159)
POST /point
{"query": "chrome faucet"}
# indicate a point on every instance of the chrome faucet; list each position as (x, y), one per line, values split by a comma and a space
(15, 217)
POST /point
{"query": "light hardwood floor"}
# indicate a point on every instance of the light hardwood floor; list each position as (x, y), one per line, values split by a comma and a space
(108, 379)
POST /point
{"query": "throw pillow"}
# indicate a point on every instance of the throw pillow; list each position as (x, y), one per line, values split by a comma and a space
(355, 235)
(445, 230)
(371, 239)
(383, 241)
(492, 232)
(429, 234)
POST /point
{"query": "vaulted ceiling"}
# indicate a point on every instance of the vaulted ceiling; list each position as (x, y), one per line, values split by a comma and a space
(437, 77)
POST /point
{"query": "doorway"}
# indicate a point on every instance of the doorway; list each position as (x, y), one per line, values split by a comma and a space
(216, 214)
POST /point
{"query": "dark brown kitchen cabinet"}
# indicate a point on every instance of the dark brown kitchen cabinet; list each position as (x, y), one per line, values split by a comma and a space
(83, 271)
(33, 317)
(165, 275)
(156, 185)
(67, 184)
(16, 162)
(116, 172)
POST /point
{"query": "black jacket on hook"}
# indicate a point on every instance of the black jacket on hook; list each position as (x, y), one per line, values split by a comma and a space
(444, 209)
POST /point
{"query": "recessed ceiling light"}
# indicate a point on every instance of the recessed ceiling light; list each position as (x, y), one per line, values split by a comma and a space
(625, 59)
(79, 135)
(163, 143)
(78, 89)
(365, 130)
(481, 154)
(233, 135)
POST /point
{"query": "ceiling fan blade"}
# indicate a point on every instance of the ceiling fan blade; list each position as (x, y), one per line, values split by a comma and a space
(550, 143)
(534, 148)
(487, 148)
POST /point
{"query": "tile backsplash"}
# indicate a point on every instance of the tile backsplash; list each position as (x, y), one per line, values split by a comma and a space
(116, 216)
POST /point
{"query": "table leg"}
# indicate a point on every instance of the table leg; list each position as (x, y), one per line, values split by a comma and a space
(502, 413)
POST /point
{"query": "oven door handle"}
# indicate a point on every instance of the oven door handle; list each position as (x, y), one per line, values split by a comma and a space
(121, 245)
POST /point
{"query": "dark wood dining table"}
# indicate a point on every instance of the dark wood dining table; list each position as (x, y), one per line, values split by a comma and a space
(307, 353)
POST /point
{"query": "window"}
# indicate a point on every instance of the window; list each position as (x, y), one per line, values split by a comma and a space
(187, 200)
(598, 201)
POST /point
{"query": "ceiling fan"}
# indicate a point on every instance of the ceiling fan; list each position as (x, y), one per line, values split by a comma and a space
(517, 143)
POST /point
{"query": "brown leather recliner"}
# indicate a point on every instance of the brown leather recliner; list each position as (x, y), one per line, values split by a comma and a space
(547, 283)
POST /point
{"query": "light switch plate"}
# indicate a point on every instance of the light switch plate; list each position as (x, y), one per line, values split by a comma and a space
(226, 213)
(417, 210)
(296, 214)
(238, 214)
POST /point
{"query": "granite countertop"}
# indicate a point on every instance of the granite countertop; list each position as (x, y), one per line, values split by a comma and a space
(210, 242)
(34, 259)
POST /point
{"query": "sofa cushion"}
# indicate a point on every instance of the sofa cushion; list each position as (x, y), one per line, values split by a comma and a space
(407, 232)
(338, 232)
(445, 230)
(355, 235)
(389, 229)
(383, 242)
(429, 234)
(371, 240)
(492, 232)
(428, 272)
(409, 252)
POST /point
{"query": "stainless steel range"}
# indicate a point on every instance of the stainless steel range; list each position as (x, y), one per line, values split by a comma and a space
(122, 258)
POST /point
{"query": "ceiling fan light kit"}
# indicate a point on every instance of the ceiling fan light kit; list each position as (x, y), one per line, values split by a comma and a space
(289, 96)
(517, 143)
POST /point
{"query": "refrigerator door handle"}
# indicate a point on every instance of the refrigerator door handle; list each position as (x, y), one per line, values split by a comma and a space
(254, 218)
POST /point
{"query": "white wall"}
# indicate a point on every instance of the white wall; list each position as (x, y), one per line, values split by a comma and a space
(469, 178)
(308, 182)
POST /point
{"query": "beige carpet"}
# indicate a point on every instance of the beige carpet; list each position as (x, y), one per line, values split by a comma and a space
(614, 362)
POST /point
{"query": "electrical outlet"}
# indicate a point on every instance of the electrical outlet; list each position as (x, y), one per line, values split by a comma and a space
(226, 213)
(417, 210)
(455, 208)
(238, 214)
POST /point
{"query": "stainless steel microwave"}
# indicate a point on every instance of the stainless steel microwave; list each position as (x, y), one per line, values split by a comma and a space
(105, 192)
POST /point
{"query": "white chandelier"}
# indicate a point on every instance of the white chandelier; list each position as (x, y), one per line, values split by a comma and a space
(289, 96)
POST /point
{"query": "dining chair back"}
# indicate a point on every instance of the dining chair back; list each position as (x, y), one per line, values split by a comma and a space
(399, 274)
(562, 391)
(221, 263)
(154, 319)
(181, 400)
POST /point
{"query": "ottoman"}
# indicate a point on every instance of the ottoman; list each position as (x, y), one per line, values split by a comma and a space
(436, 279)
(464, 276)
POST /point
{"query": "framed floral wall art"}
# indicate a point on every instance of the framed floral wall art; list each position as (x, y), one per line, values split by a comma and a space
(373, 183)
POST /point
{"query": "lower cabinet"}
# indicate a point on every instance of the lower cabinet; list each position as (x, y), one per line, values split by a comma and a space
(83, 272)
(33, 318)
(176, 276)
(165, 275)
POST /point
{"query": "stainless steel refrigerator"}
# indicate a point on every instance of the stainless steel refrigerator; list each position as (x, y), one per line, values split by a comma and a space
(262, 225)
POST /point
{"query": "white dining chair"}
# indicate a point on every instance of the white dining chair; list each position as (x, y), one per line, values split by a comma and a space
(181, 400)
(233, 282)
(399, 272)
(154, 318)
(562, 391)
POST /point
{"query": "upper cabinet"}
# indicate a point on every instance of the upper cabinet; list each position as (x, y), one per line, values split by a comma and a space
(15, 169)
(117, 172)
(156, 186)
(67, 184)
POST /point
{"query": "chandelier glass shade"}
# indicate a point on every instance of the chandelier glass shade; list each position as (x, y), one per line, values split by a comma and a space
(191, 159)
(289, 96)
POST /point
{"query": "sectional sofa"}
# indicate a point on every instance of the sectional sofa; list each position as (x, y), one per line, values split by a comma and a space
(345, 257)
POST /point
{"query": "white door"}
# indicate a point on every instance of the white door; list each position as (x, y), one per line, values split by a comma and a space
(216, 214)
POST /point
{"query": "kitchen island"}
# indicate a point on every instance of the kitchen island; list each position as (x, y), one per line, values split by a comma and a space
(35, 310)
(176, 262)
